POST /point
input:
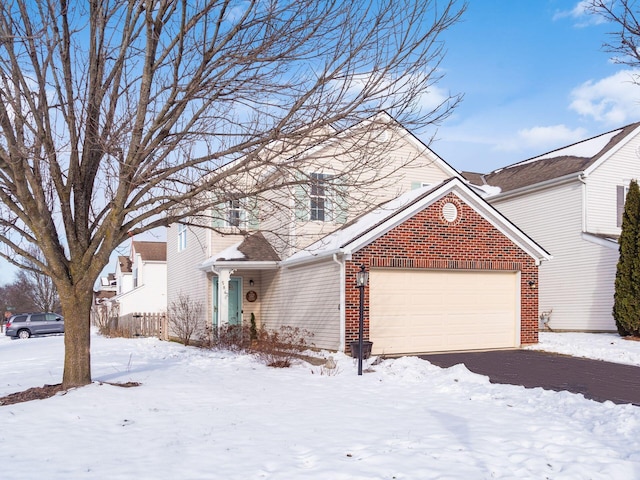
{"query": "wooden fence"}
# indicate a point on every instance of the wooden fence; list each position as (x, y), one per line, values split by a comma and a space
(144, 325)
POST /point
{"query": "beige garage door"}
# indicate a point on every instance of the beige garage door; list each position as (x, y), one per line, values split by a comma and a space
(432, 310)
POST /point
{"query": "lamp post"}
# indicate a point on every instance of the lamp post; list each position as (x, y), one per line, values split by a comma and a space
(361, 281)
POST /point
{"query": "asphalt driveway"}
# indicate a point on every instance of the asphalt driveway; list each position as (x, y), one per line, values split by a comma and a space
(595, 379)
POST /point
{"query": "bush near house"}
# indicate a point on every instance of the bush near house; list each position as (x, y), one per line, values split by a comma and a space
(275, 348)
(185, 318)
(279, 348)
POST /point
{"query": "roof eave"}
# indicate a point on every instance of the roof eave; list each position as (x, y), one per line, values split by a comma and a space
(239, 264)
(536, 186)
(610, 152)
(313, 258)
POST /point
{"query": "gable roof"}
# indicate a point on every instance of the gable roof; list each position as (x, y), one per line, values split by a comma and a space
(370, 226)
(151, 251)
(124, 264)
(252, 251)
(334, 136)
(572, 160)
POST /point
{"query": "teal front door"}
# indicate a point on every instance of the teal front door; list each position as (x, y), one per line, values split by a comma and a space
(235, 302)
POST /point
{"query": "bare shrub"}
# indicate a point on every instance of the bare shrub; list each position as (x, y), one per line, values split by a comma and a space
(235, 338)
(279, 348)
(107, 321)
(185, 318)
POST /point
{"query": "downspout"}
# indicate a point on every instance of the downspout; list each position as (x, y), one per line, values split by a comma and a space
(582, 177)
(341, 306)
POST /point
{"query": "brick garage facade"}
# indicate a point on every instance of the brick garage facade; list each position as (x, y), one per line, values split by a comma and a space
(429, 241)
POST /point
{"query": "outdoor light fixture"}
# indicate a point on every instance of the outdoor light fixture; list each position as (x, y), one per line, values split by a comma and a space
(362, 277)
(532, 284)
(361, 281)
(251, 283)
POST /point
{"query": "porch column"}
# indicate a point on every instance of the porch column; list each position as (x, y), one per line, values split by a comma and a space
(224, 274)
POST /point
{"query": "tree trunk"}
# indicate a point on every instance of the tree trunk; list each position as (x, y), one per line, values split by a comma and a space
(76, 310)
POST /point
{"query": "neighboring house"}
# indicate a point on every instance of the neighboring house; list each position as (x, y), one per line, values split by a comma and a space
(141, 279)
(427, 265)
(571, 201)
(123, 275)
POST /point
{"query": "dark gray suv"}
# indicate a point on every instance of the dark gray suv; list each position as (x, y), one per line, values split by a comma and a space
(26, 324)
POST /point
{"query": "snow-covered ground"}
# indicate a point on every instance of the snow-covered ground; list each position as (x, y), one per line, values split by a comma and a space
(217, 415)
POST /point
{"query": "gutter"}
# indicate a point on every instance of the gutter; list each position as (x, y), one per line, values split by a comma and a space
(582, 178)
(536, 186)
(247, 265)
(311, 258)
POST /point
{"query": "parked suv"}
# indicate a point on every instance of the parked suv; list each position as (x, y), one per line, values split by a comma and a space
(26, 324)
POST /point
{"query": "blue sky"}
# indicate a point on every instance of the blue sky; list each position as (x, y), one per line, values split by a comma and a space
(534, 77)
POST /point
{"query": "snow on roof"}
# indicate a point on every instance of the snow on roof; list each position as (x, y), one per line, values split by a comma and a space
(339, 238)
(586, 149)
(488, 190)
(231, 253)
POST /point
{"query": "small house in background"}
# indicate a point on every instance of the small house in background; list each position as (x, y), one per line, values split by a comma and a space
(571, 201)
(141, 280)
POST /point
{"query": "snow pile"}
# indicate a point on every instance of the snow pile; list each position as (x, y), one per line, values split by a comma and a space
(216, 415)
(608, 347)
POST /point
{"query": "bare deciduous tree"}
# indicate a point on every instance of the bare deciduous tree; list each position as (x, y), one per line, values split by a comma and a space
(117, 117)
(185, 318)
(39, 287)
(625, 40)
(15, 296)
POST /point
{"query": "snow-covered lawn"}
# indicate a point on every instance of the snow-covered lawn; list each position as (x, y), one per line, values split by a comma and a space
(216, 415)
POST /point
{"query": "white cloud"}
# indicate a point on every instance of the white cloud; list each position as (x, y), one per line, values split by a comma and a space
(612, 100)
(581, 14)
(541, 138)
(420, 87)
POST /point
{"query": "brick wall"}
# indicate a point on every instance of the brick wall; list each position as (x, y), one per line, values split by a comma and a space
(429, 241)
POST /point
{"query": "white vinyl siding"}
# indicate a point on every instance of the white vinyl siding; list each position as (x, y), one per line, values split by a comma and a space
(307, 297)
(150, 296)
(602, 191)
(183, 275)
(577, 284)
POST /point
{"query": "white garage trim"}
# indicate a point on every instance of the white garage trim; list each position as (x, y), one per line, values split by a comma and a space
(422, 310)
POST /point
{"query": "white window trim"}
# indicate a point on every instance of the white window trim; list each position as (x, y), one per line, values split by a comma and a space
(241, 211)
(182, 237)
(326, 201)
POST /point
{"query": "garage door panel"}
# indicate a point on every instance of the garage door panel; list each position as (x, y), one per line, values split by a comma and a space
(426, 310)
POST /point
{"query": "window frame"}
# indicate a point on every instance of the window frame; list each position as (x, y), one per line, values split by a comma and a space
(624, 190)
(182, 237)
(318, 198)
(236, 214)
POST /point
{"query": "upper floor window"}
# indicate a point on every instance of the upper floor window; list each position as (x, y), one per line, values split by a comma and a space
(621, 196)
(321, 200)
(318, 206)
(236, 215)
(182, 236)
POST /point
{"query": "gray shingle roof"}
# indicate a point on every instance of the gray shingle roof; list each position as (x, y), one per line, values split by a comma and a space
(125, 264)
(257, 248)
(546, 167)
(151, 251)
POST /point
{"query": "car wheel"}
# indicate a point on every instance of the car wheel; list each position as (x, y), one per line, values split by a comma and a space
(24, 334)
